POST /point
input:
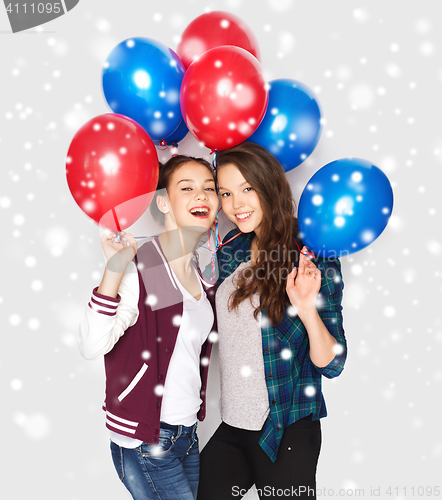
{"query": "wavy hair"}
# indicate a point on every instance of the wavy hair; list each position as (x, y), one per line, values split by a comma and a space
(277, 250)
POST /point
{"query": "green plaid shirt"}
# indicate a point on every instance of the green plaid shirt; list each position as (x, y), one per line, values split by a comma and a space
(293, 381)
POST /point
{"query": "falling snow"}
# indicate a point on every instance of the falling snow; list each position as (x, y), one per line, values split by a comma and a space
(36, 426)
(376, 71)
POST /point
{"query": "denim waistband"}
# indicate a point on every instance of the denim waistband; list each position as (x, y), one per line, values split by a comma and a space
(179, 429)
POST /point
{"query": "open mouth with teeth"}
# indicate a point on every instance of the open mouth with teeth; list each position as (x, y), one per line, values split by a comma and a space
(200, 212)
(243, 216)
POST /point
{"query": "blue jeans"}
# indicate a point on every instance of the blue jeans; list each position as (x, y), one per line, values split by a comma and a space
(166, 471)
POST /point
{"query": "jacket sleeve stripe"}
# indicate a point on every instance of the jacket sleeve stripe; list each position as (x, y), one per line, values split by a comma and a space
(98, 310)
(103, 304)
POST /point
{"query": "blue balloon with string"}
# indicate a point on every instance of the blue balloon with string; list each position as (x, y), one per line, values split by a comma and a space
(291, 126)
(141, 79)
(178, 135)
(344, 207)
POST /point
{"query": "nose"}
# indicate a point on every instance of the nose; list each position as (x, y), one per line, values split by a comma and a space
(201, 195)
(237, 202)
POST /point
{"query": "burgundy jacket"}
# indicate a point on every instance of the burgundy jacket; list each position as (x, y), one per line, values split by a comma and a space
(136, 367)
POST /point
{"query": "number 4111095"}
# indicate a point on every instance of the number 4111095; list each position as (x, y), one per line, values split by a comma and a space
(420, 491)
(35, 7)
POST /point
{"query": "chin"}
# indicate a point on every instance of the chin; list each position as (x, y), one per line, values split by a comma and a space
(203, 224)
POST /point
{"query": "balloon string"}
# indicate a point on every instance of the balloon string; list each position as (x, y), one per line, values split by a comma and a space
(213, 152)
(116, 219)
(308, 253)
(163, 142)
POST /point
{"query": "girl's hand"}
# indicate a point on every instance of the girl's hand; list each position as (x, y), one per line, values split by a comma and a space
(304, 283)
(119, 251)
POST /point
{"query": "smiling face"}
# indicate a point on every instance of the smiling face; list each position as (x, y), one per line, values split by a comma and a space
(192, 197)
(239, 200)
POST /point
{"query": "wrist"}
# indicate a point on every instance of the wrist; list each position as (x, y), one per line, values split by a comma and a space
(119, 261)
(307, 311)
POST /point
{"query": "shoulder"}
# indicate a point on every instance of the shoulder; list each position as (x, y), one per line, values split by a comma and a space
(230, 242)
(148, 253)
(331, 264)
(232, 252)
(235, 246)
(231, 234)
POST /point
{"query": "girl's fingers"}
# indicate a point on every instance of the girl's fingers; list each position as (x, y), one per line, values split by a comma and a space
(107, 236)
(308, 262)
(315, 273)
(306, 253)
(310, 265)
(129, 237)
(305, 264)
(307, 267)
(132, 241)
(291, 278)
(119, 239)
(302, 264)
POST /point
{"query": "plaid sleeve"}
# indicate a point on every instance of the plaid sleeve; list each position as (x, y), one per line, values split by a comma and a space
(330, 311)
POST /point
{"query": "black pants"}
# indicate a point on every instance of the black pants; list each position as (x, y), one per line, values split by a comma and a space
(232, 461)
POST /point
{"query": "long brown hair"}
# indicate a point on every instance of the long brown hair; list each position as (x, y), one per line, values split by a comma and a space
(268, 276)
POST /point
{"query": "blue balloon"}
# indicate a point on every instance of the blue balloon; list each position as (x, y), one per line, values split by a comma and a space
(344, 207)
(178, 135)
(142, 80)
(291, 125)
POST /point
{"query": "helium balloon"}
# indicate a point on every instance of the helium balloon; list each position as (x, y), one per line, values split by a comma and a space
(344, 207)
(142, 80)
(215, 29)
(291, 127)
(178, 135)
(112, 170)
(223, 97)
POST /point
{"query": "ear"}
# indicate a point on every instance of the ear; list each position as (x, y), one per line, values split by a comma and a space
(162, 204)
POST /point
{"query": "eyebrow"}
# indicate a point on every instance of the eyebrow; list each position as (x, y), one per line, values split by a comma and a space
(192, 180)
(242, 184)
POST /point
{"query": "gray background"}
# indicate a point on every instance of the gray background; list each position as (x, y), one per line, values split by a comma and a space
(376, 69)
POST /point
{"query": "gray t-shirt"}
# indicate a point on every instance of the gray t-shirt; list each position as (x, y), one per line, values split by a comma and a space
(244, 397)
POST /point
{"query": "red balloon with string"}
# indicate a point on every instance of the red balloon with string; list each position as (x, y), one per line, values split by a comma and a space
(112, 170)
(215, 29)
(224, 97)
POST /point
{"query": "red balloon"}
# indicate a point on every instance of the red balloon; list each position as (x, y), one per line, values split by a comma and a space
(112, 170)
(215, 29)
(224, 97)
